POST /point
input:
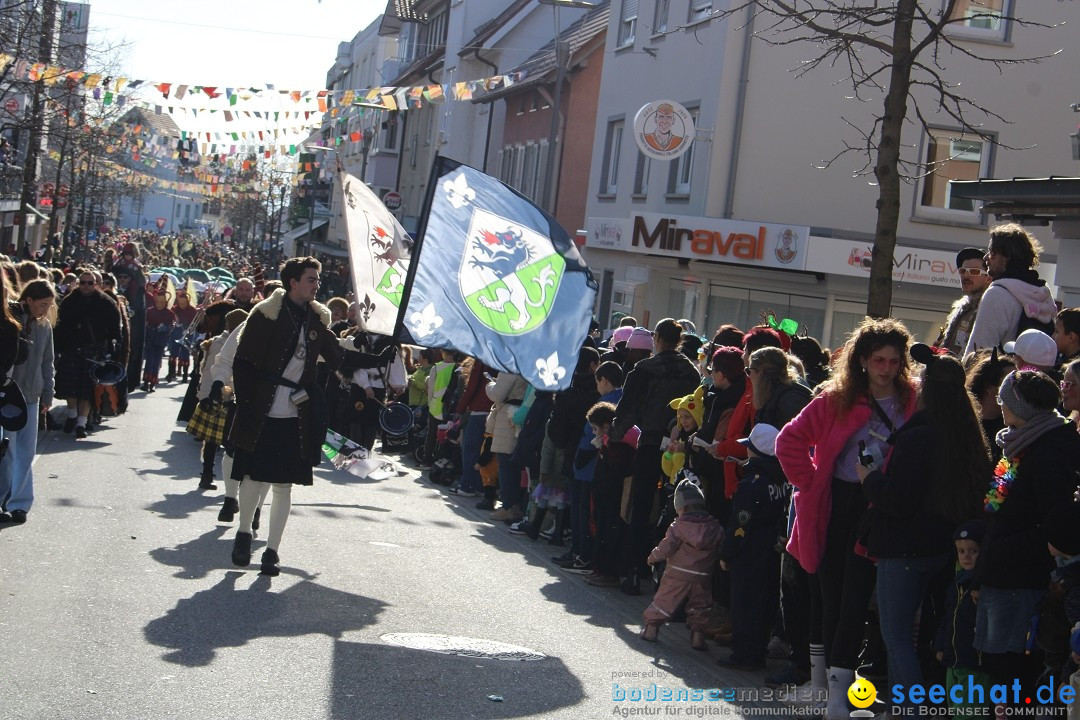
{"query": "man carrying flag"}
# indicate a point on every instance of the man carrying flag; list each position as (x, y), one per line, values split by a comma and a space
(499, 280)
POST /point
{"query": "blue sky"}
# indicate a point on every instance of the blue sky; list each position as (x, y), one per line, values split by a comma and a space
(288, 43)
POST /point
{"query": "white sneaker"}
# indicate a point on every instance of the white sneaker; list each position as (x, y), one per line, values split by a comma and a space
(463, 493)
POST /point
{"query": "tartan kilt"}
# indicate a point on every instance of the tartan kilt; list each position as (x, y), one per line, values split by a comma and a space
(73, 381)
(208, 425)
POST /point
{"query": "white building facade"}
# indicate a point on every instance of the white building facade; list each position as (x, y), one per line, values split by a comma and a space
(754, 217)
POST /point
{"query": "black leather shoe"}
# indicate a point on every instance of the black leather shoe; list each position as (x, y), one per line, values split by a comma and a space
(18, 516)
(80, 432)
(228, 511)
(241, 550)
(270, 561)
(69, 425)
(4, 517)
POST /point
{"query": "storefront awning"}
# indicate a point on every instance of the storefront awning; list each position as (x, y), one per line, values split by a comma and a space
(299, 232)
(1021, 198)
(331, 250)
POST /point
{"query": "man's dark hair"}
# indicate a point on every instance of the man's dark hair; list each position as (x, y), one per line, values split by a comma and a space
(759, 337)
(1018, 245)
(294, 268)
(1070, 320)
(628, 321)
(611, 372)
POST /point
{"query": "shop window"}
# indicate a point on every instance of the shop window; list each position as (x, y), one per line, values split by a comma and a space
(627, 23)
(743, 307)
(609, 174)
(683, 300)
(951, 155)
(980, 19)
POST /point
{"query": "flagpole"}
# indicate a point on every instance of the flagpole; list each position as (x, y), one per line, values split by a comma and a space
(414, 256)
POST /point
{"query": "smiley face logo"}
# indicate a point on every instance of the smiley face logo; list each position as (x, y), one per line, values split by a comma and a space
(862, 693)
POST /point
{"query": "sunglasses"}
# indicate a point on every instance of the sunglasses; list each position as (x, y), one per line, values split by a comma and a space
(973, 272)
(87, 282)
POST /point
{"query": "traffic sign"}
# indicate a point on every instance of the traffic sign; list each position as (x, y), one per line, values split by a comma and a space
(392, 201)
(12, 106)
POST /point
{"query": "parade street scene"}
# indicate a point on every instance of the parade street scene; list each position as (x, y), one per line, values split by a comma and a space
(539, 359)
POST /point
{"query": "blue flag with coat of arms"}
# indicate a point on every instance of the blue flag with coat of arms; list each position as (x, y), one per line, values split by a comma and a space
(497, 278)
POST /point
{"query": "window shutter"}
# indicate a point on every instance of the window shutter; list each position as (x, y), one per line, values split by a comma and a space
(629, 9)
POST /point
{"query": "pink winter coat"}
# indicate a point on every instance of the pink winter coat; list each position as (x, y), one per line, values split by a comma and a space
(691, 546)
(817, 428)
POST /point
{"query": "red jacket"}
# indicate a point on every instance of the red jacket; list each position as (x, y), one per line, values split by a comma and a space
(738, 427)
(820, 429)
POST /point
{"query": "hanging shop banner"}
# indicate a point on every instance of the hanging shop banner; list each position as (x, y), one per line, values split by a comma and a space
(703, 238)
(663, 129)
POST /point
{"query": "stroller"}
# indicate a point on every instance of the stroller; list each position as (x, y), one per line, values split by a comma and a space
(446, 464)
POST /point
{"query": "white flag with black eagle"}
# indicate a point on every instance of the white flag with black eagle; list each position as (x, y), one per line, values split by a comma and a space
(379, 250)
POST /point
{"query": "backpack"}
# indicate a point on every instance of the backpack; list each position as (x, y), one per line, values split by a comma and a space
(1030, 323)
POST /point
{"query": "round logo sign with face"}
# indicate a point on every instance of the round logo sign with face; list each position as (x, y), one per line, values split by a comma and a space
(663, 129)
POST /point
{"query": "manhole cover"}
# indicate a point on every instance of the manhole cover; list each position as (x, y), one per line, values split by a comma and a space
(468, 647)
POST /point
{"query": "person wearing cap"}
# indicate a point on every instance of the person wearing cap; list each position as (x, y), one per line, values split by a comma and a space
(159, 325)
(1061, 609)
(690, 548)
(1017, 298)
(754, 528)
(650, 387)
(34, 378)
(1033, 350)
(974, 279)
(934, 481)
(954, 643)
(1036, 474)
(88, 331)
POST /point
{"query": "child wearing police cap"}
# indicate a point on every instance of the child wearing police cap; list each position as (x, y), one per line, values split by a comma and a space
(954, 645)
(690, 547)
(757, 522)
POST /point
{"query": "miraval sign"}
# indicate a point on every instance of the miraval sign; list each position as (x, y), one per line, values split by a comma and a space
(703, 238)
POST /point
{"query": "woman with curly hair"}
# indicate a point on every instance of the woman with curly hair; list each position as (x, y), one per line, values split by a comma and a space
(868, 398)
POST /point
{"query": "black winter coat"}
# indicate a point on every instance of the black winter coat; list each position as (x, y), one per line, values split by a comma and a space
(956, 634)
(568, 412)
(759, 508)
(1013, 552)
(651, 385)
(88, 323)
(899, 522)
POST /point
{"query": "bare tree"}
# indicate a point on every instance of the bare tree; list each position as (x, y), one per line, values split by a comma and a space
(895, 51)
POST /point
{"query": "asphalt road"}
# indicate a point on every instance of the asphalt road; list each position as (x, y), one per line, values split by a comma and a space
(118, 600)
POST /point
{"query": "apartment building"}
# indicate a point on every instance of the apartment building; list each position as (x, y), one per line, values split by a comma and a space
(754, 216)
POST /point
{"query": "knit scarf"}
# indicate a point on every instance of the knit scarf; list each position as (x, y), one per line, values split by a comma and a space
(1014, 439)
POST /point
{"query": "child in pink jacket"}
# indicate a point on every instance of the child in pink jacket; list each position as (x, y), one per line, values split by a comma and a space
(691, 548)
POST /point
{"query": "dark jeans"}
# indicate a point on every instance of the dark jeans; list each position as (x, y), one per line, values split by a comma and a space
(510, 482)
(796, 607)
(901, 586)
(606, 499)
(580, 500)
(755, 595)
(471, 440)
(847, 580)
(641, 533)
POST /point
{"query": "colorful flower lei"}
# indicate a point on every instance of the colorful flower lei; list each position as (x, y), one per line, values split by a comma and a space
(1004, 477)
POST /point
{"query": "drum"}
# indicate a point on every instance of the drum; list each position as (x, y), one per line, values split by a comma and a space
(396, 419)
(107, 373)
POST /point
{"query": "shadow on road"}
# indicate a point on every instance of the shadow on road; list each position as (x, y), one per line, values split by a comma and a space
(181, 506)
(368, 681)
(196, 558)
(225, 616)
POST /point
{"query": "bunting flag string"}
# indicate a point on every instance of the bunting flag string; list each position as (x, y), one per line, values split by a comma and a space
(119, 90)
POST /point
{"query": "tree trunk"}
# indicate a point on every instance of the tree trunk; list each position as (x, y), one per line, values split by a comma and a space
(886, 169)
